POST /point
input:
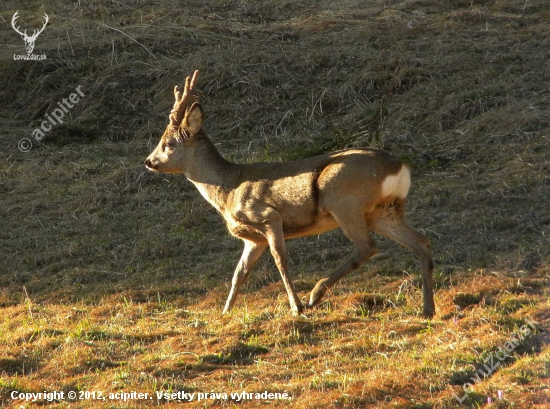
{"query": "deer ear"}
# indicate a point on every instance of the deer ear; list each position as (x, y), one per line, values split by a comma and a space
(192, 122)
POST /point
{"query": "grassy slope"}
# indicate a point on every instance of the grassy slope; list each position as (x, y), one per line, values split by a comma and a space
(112, 278)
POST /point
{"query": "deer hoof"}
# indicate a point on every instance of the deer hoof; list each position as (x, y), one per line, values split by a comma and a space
(297, 309)
(317, 293)
(428, 312)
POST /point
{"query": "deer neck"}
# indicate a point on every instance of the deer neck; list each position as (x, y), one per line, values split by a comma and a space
(214, 176)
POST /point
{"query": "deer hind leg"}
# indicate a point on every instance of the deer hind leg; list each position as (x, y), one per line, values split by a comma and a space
(251, 254)
(355, 228)
(391, 223)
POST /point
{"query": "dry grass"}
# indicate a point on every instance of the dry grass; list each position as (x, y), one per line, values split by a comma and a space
(113, 278)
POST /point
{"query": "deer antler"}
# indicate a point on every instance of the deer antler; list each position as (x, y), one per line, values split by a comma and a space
(37, 32)
(15, 17)
(182, 99)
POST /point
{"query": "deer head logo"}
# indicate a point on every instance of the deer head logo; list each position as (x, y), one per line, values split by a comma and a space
(29, 40)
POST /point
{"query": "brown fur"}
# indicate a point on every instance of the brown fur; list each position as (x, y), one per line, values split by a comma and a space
(265, 203)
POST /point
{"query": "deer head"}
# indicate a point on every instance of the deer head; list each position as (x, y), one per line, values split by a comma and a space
(175, 147)
(29, 40)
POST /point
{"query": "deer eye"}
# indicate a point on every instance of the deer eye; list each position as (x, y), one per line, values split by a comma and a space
(168, 145)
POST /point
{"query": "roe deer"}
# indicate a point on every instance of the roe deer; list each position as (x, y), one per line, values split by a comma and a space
(359, 190)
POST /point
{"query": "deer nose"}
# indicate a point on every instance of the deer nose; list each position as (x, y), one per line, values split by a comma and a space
(149, 164)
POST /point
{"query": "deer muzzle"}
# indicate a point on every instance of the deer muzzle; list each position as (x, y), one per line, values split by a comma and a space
(150, 165)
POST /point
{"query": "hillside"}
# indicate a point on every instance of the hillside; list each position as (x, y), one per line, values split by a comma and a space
(112, 278)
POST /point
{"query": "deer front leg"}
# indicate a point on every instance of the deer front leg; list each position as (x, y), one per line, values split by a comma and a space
(275, 238)
(251, 254)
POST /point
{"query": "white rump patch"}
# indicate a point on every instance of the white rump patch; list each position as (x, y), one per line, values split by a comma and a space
(397, 185)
